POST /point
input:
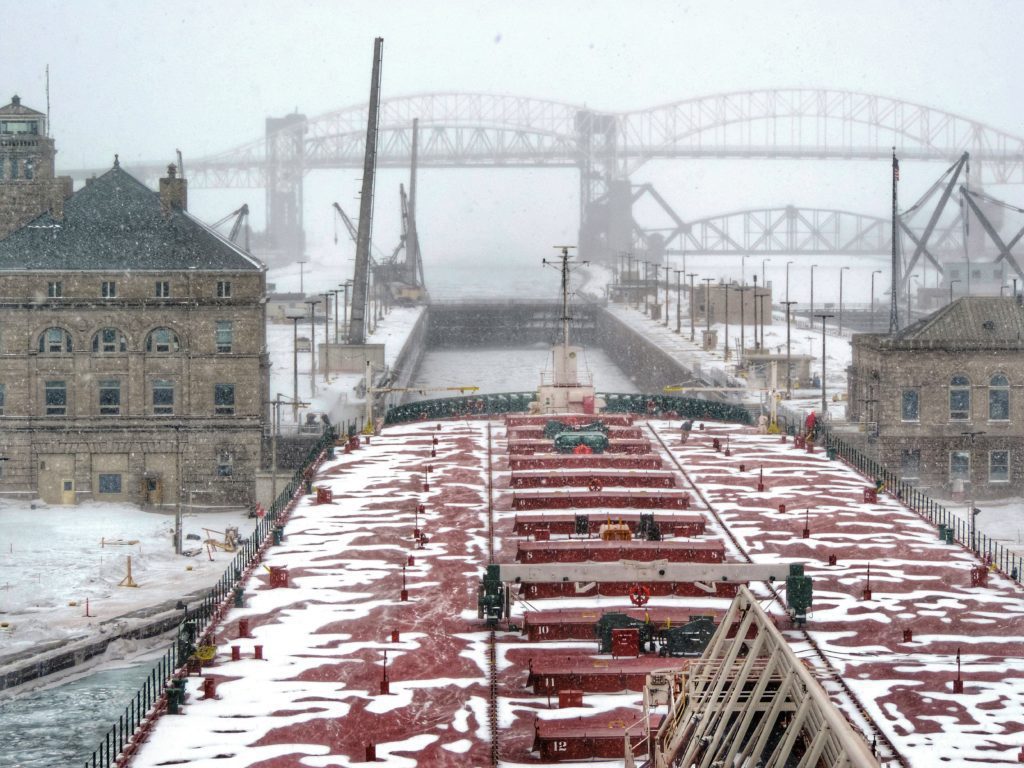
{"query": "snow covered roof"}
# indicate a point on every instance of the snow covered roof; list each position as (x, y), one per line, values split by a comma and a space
(15, 108)
(116, 223)
(969, 322)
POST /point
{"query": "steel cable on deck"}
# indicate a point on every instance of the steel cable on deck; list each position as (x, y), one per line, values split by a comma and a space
(826, 666)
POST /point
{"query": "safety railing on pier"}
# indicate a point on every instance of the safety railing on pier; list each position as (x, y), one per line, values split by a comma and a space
(992, 552)
(480, 406)
(150, 700)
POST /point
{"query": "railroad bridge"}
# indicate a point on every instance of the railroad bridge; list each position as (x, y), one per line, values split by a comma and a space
(460, 130)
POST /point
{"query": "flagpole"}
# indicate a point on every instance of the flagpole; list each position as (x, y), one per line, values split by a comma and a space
(894, 320)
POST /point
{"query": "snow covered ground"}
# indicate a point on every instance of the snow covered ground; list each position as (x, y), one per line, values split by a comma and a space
(53, 559)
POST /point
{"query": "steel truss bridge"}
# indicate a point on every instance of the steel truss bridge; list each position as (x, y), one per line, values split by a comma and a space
(459, 130)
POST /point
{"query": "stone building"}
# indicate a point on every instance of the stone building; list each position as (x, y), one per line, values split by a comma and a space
(944, 397)
(133, 351)
(28, 183)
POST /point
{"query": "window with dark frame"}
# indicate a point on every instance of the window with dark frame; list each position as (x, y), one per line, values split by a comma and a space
(55, 290)
(108, 289)
(3, 402)
(959, 398)
(55, 341)
(163, 397)
(999, 398)
(162, 340)
(108, 341)
(225, 464)
(960, 465)
(56, 398)
(162, 289)
(223, 289)
(999, 466)
(225, 335)
(910, 405)
(110, 397)
(110, 483)
(224, 399)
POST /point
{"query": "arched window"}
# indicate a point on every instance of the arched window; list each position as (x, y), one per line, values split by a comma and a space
(959, 398)
(162, 340)
(54, 340)
(999, 398)
(109, 340)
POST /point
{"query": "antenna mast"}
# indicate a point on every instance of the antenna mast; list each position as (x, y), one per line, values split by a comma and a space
(894, 320)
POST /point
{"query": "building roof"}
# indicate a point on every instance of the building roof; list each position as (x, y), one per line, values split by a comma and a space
(973, 319)
(15, 108)
(115, 222)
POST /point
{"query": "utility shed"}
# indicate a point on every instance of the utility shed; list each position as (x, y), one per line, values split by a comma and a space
(943, 400)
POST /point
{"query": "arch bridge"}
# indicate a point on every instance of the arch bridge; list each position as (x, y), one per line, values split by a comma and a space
(473, 129)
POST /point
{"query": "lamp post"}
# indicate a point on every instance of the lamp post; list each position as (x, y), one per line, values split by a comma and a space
(757, 344)
(912, 277)
(812, 292)
(951, 282)
(647, 278)
(707, 301)
(764, 280)
(760, 300)
(824, 405)
(841, 270)
(312, 345)
(693, 334)
(789, 362)
(743, 321)
(787, 280)
(725, 291)
(295, 364)
(667, 270)
(302, 275)
(679, 299)
(876, 272)
(327, 336)
(743, 269)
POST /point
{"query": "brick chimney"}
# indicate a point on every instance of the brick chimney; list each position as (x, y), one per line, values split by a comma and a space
(173, 192)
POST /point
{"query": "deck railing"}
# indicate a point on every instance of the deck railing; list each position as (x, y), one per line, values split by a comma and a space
(150, 699)
(992, 552)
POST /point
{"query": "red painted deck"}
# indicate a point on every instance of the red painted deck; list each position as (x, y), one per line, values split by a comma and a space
(614, 498)
(590, 738)
(626, 478)
(553, 671)
(598, 551)
(575, 461)
(670, 524)
(528, 446)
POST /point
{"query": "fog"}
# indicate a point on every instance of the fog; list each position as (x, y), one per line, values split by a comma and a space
(142, 79)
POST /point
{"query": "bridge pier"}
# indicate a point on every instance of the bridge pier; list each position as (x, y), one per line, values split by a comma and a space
(285, 138)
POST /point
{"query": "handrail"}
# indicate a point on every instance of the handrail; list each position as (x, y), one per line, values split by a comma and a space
(483, 406)
(992, 552)
(119, 743)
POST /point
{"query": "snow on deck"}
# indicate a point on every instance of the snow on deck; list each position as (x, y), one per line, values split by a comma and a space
(917, 583)
(315, 700)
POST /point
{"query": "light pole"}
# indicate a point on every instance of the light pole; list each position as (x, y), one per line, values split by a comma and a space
(841, 270)
(295, 364)
(757, 344)
(812, 292)
(693, 333)
(743, 269)
(312, 345)
(789, 362)
(764, 281)
(743, 321)
(876, 272)
(824, 405)
(327, 336)
(911, 277)
(725, 291)
(647, 279)
(760, 300)
(951, 282)
(302, 274)
(667, 270)
(707, 301)
(787, 280)
(679, 299)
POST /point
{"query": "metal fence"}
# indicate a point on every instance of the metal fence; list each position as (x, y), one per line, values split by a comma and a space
(149, 699)
(516, 402)
(992, 552)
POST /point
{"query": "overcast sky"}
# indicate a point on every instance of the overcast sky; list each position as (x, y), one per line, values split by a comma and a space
(143, 78)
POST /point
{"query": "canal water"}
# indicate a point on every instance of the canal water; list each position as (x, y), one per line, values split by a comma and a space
(63, 724)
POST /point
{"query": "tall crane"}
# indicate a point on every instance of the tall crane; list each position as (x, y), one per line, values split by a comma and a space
(241, 223)
(362, 269)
